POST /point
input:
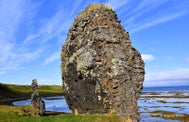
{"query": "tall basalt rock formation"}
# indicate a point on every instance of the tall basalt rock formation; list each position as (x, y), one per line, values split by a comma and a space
(101, 71)
(36, 100)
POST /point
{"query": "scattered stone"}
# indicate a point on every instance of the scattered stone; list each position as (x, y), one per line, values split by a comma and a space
(36, 100)
(101, 71)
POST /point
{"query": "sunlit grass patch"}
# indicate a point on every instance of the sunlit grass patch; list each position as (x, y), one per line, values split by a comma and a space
(169, 115)
(183, 117)
(29, 114)
(18, 111)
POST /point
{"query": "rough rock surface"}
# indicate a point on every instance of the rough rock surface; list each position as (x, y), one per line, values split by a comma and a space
(36, 100)
(101, 71)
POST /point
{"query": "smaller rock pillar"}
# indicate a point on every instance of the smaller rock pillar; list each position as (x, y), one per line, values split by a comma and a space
(36, 100)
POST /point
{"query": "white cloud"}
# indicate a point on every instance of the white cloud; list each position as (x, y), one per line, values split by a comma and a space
(166, 83)
(12, 15)
(51, 27)
(8, 67)
(144, 7)
(178, 74)
(116, 4)
(16, 61)
(140, 11)
(30, 56)
(6, 51)
(147, 57)
(187, 59)
(157, 20)
(168, 58)
(52, 58)
(175, 77)
(76, 4)
(14, 53)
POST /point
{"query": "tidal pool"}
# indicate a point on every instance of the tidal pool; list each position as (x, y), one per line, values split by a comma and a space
(55, 103)
(148, 103)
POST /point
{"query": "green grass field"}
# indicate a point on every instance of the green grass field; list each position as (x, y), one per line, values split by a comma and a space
(29, 114)
(15, 91)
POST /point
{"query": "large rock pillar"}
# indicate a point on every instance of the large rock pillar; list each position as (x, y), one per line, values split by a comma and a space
(101, 71)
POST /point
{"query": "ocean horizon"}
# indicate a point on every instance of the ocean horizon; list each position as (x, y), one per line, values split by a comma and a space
(166, 88)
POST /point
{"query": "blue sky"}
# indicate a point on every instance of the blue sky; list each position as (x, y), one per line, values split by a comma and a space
(32, 33)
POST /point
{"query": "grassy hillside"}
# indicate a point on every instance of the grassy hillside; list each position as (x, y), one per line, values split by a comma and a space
(15, 91)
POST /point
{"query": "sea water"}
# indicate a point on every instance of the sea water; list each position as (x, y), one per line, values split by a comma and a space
(165, 88)
(55, 103)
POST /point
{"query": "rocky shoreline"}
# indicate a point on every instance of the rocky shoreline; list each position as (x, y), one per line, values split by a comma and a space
(164, 105)
(153, 106)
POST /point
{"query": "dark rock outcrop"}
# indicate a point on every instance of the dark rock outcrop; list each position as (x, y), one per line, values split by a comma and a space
(101, 71)
(36, 100)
